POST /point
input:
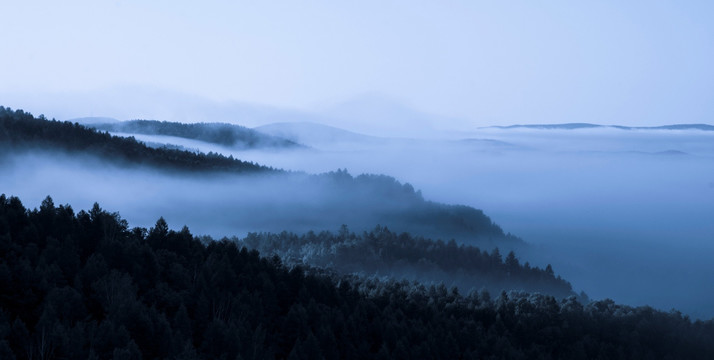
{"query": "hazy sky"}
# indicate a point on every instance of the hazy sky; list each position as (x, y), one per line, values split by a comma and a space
(496, 62)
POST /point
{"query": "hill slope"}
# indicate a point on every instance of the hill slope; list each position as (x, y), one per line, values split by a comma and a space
(381, 252)
(20, 130)
(85, 285)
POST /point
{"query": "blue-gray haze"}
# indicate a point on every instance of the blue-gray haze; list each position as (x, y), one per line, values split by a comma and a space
(624, 214)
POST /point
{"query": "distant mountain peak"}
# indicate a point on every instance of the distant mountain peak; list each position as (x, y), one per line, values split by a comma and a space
(310, 133)
(381, 115)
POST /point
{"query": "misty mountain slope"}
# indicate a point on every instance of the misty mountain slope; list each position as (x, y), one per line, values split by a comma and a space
(20, 131)
(365, 200)
(84, 284)
(381, 252)
(216, 133)
(224, 201)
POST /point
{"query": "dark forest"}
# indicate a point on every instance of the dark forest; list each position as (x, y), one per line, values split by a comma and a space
(86, 285)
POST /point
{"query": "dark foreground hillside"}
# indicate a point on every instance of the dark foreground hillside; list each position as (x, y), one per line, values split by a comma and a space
(86, 286)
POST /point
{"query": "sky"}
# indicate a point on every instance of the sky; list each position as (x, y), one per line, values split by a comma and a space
(475, 63)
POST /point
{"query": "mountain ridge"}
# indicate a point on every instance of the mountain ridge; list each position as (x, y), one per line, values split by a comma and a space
(574, 126)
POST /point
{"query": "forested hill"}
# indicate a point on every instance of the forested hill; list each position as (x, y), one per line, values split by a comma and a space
(367, 200)
(381, 252)
(217, 133)
(86, 286)
(20, 130)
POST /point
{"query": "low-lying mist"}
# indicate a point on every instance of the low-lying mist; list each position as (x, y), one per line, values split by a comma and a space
(224, 204)
(213, 204)
(624, 214)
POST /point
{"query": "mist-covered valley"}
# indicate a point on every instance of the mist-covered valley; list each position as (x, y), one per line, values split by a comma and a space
(279, 269)
(621, 213)
(624, 214)
(223, 205)
(356, 180)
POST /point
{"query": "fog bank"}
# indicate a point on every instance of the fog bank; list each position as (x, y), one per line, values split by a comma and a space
(621, 214)
(624, 214)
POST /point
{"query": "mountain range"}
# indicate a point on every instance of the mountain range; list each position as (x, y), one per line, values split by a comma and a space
(574, 126)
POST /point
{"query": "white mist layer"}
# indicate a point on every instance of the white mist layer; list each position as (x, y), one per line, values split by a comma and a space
(627, 215)
(623, 214)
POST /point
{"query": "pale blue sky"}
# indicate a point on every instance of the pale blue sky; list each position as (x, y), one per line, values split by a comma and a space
(495, 62)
